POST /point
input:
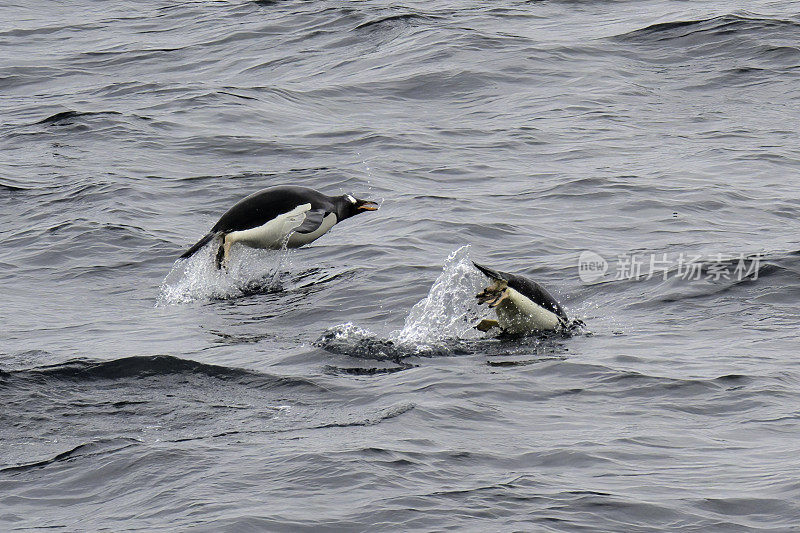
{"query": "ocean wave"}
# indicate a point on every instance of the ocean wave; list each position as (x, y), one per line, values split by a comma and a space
(391, 20)
(386, 413)
(696, 31)
(66, 117)
(768, 45)
(88, 450)
(150, 366)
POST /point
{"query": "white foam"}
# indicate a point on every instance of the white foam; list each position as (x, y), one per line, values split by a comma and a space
(450, 310)
(197, 278)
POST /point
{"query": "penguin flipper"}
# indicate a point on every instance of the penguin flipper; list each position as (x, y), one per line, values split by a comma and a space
(486, 324)
(490, 272)
(312, 221)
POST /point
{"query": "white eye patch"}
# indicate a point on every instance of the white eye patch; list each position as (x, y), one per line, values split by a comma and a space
(350, 199)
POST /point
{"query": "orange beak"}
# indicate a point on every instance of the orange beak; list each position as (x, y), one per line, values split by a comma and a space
(368, 206)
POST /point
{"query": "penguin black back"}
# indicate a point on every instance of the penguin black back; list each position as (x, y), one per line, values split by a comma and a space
(263, 206)
(298, 215)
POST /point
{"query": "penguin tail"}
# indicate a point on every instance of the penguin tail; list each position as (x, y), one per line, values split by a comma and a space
(199, 244)
(494, 274)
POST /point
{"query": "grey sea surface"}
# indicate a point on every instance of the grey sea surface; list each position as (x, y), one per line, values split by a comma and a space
(341, 386)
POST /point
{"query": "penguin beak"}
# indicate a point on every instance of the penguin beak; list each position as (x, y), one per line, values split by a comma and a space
(366, 205)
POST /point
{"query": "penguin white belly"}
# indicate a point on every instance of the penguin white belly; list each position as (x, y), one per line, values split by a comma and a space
(272, 234)
(299, 239)
(518, 315)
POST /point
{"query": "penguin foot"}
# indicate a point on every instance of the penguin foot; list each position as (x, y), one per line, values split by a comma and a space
(220, 256)
(574, 325)
(223, 254)
(493, 294)
(502, 296)
(486, 324)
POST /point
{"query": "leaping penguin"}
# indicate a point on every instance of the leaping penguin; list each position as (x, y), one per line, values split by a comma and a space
(522, 306)
(280, 216)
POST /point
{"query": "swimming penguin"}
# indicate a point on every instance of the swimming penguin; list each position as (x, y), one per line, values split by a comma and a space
(278, 216)
(522, 306)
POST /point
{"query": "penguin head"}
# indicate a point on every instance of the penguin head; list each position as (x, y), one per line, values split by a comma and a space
(347, 206)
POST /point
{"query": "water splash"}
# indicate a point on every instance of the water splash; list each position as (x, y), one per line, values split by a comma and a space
(197, 278)
(450, 310)
(439, 324)
(349, 339)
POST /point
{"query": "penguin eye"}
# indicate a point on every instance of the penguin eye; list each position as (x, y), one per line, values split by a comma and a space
(350, 199)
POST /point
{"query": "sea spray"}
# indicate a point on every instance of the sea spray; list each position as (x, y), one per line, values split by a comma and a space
(437, 325)
(450, 310)
(198, 278)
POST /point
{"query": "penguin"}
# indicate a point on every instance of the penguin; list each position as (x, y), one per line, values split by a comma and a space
(280, 216)
(522, 306)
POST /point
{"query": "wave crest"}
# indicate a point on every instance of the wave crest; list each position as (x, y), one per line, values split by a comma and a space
(723, 26)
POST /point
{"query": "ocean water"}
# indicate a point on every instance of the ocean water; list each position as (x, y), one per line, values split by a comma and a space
(341, 386)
